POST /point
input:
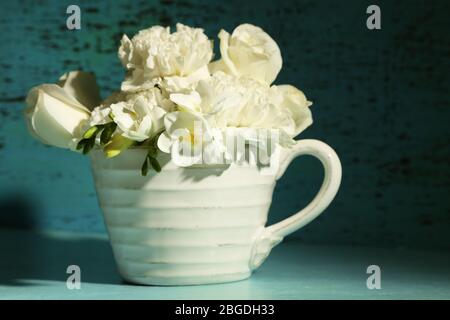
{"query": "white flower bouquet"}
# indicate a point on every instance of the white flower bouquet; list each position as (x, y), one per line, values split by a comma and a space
(175, 99)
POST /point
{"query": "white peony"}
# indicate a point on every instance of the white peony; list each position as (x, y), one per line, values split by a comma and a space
(55, 114)
(155, 53)
(249, 51)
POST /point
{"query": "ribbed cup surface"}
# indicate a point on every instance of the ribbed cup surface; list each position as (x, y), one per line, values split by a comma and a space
(191, 225)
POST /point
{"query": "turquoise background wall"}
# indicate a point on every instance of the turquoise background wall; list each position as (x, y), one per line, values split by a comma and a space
(381, 99)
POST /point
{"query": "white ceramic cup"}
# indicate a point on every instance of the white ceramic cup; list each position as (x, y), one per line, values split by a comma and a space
(201, 224)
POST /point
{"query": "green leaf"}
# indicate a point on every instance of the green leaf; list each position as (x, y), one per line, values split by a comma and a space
(107, 133)
(155, 164)
(144, 168)
(152, 151)
(81, 144)
(89, 145)
(90, 132)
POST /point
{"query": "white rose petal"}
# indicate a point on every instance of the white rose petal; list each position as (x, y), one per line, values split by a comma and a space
(82, 86)
(249, 51)
(54, 116)
(295, 101)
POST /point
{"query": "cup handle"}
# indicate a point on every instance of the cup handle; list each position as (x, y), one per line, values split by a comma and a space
(270, 236)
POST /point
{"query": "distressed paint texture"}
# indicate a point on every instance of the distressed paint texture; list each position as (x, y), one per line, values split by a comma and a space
(380, 99)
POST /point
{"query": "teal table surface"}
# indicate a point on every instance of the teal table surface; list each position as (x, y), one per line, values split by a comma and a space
(33, 266)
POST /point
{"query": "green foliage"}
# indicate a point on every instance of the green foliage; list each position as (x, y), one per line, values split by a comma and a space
(87, 143)
(150, 159)
(107, 133)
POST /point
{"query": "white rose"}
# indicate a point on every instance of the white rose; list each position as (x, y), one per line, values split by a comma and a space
(249, 51)
(156, 53)
(82, 86)
(140, 116)
(53, 114)
(296, 103)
